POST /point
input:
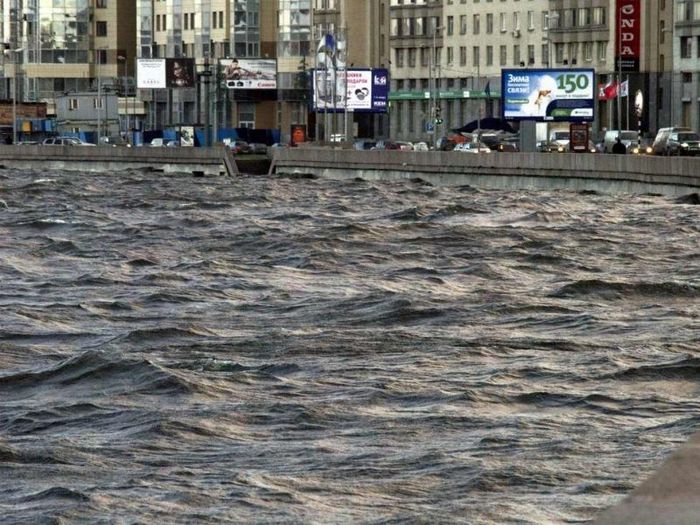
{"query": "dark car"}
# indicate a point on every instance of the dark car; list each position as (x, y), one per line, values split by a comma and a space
(258, 148)
(676, 141)
(510, 144)
(239, 147)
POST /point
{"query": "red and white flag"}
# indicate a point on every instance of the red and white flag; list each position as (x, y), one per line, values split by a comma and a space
(610, 89)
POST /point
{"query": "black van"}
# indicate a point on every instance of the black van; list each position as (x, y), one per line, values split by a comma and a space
(676, 141)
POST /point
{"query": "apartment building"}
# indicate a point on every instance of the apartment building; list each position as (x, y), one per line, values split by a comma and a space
(685, 105)
(588, 33)
(61, 47)
(449, 54)
(286, 31)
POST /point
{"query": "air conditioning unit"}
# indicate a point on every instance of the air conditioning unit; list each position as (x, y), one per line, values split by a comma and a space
(516, 33)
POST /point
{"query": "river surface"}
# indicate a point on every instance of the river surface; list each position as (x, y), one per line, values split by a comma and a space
(288, 350)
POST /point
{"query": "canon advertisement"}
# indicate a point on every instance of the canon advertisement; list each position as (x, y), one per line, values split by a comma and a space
(247, 73)
(627, 45)
(363, 91)
(548, 95)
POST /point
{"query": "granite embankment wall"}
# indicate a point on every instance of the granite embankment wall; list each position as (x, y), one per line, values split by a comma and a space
(672, 176)
(104, 159)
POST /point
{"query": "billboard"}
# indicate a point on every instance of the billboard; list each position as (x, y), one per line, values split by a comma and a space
(150, 73)
(363, 90)
(249, 73)
(161, 73)
(179, 72)
(548, 95)
(627, 43)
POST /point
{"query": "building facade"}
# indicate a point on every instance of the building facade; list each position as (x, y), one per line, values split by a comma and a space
(58, 47)
(685, 98)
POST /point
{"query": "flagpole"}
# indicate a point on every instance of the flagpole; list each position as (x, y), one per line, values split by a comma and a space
(619, 66)
(627, 102)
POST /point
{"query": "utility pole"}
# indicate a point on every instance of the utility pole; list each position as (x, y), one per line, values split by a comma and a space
(206, 74)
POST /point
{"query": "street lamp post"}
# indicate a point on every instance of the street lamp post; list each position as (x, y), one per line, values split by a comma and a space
(15, 60)
(122, 58)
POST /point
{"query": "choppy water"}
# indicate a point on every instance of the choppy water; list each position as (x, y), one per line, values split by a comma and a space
(215, 350)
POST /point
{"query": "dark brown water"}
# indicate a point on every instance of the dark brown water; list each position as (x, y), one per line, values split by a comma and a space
(184, 350)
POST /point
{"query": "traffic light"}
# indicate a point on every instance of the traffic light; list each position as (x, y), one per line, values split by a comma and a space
(438, 119)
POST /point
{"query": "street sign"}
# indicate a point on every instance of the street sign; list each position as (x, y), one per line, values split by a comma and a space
(429, 127)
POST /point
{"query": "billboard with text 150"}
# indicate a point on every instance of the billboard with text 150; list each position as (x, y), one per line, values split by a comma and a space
(548, 95)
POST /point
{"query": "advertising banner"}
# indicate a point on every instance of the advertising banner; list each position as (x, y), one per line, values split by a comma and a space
(150, 73)
(161, 73)
(245, 73)
(179, 72)
(628, 41)
(297, 134)
(362, 91)
(548, 95)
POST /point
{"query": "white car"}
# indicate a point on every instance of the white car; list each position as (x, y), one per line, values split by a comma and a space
(472, 147)
(65, 141)
(421, 146)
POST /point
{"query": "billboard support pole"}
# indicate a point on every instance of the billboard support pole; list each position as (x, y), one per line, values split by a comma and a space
(618, 27)
(207, 109)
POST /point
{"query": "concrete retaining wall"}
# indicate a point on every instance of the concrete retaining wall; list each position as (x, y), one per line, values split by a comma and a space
(201, 161)
(606, 173)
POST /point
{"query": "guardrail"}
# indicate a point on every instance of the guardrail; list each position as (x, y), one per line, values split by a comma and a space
(581, 171)
(205, 161)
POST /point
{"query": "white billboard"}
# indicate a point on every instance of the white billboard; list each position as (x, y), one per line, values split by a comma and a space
(150, 73)
(364, 90)
(548, 94)
(249, 73)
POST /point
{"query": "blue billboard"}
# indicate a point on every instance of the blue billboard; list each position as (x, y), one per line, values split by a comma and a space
(548, 95)
(359, 90)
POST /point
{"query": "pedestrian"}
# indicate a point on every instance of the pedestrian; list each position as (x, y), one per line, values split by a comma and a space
(619, 147)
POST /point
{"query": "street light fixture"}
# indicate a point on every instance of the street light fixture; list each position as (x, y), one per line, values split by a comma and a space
(122, 58)
(14, 53)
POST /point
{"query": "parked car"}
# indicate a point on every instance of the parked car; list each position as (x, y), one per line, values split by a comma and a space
(627, 136)
(548, 146)
(421, 146)
(508, 144)
(472, 147)
(239, 147)
(676, 141)
(65, 141)
(364, 144)
(387, 145)
(157, 143)
(559, 137)
(258, 148)
(404, 146)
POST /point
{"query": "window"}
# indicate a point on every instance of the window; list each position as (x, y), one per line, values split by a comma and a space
(503, 52)
(476, 54)
(489, 55)
(463, 24)
(100, 28)
(588, 51)
(476, 25)
(101, 4)
(450, 25)
(450, 55)
(602, 51)
(463, 56)
(516, 55)
(545, 55)
(686, 47)
(489, 23)
(73, 103)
